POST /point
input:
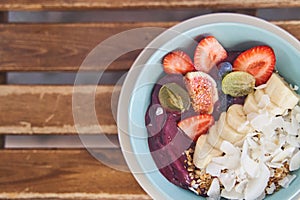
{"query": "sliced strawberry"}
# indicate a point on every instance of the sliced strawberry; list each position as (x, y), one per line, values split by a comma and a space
(208, 54)
(202, 89)
(196, 125)
(177, 62)
(258, 61)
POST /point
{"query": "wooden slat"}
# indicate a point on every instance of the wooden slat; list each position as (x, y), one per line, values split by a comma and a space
(293, 27)
(27, 109)
(63, 174)
(115, 4)
(63, 47)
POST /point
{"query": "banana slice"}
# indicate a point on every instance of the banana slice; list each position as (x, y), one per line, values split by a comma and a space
(204, 152)
(271, 107)
(237, 119)
(213, 137)
(280, 93)
(250, 104)
(226, 132)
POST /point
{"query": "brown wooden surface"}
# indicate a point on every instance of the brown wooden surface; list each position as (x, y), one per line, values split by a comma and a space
(115, 4)
(63, 174)
(33, 109)
(50, 47)
(293, 27)
(63, 47)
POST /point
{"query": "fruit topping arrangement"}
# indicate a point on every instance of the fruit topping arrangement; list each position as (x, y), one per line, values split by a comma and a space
(224, 124)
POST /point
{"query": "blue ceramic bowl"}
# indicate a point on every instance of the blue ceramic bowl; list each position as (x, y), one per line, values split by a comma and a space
(235, 32)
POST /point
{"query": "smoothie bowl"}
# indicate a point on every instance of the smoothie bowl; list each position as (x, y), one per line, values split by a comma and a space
(213, 111)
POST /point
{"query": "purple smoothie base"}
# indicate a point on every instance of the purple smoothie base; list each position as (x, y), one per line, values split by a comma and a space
(166, 141)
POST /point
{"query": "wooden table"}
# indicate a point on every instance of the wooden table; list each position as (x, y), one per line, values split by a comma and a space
(47, 109)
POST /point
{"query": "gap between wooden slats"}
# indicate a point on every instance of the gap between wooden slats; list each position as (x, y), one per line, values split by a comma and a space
(3, 78)
(64, 174)
(36, 45)
(40, 109)
(115, 4)
(2, 137)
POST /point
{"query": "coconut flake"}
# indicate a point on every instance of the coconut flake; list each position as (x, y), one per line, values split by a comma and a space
(231, 158)
(295, 162)
(228, 148)
(228, 180)
(229, 162)
(269, 146)
(214, 169)
(286, 153)
(271, 189)
(291, 127)
(231, 194)
(214, 190)
(272, 172)
(277, 122)
(292, 140)
(298, 117)
(240, 187)
(240, 174)
(256, 186)
(260, 121)
(251, 142)
(249, 165)
(274, 165)
(261, 197)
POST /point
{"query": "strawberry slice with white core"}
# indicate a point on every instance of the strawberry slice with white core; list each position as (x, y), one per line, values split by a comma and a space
(258, 61)
(196, 125)
(177, 62)
(203, 91)
(208, 54)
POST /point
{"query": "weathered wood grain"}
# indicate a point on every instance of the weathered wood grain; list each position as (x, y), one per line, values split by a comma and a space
(63, 174)
(33, 109)
(293, 27)
(115, 4)
(63, 47)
